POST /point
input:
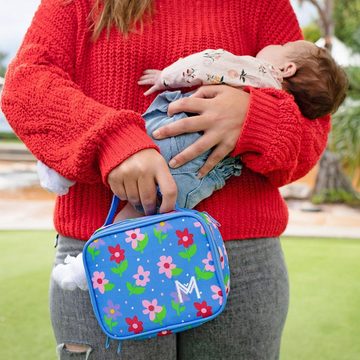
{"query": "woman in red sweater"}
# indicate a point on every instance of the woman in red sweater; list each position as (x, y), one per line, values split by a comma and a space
(73, 99)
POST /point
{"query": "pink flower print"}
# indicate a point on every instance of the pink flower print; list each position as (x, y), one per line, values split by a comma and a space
(151, 308)
(165, 264)
(221, 258)
(218, 294)
(198, 225)
(233, 73)
(99, 281)
(134, 236)
(142, 277)
(209, 263)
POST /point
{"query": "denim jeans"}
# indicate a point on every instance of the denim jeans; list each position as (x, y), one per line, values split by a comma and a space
(191, 190)
(249, 328)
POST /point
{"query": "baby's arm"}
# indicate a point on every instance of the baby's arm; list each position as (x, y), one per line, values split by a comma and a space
(211, 67)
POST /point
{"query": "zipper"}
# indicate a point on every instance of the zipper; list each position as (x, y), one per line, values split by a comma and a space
(156, 218)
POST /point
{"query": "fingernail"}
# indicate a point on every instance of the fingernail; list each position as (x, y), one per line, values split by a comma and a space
(172, 163)
(156, 133)
(199, 175)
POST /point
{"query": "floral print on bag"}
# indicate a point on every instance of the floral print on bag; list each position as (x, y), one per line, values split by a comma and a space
(143, 284)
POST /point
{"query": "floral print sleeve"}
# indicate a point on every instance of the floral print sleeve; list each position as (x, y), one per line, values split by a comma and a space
(220, 67)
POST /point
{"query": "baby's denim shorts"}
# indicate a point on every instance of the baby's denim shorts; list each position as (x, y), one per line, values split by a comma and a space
(191, 190)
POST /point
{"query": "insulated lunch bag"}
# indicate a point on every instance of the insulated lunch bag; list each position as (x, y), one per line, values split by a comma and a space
(156, 275)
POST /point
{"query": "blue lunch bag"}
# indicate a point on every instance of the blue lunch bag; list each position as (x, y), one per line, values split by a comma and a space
(156, 275)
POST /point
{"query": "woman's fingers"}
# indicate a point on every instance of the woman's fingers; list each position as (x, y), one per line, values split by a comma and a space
(168, 190)
(187, 104)
(206, 92)
(132, 191)
(181, 126)
(204, 143)
(214, 158)
(147, 192)
(119, 190)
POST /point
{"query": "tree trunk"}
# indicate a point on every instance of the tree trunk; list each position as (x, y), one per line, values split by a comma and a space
(331, 180)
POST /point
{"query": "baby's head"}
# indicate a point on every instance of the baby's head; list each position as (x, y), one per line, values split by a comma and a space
(310, 74)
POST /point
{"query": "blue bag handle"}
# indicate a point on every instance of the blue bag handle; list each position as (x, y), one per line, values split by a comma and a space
(115, 203)
(113, 207)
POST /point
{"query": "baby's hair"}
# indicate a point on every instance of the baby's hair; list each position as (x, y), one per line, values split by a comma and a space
(319, 85)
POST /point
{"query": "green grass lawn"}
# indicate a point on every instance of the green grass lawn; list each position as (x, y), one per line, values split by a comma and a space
(323, 321)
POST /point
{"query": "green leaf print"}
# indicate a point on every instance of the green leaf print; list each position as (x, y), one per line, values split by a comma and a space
(159, 317)
(177, 307)
(137, 290)
(202, 274)
(159, 235)
(142, 244)
(93, 252)
(192, 250)
(109, 322)
(176, 271)
(226, 279)
(109, 286)
(184, 254)
(188, 253)
(120, 268)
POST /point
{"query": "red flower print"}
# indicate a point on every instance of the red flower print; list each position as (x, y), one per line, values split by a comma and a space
(185, 238)
(164, 333)
(135, 325)
(203, 309)
(117, 254)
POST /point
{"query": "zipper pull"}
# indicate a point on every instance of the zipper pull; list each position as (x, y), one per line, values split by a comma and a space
(212, 219)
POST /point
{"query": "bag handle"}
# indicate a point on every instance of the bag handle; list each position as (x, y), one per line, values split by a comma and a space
(113, 207)
(115, 203)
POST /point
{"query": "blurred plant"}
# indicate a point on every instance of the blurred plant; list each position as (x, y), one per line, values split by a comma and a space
(347, 22)
(312, 32)
(344, 138)
(354, 82)
(2, 66)
(325, 9)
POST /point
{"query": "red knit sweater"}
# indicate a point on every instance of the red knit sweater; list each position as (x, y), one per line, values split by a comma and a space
(77, 106)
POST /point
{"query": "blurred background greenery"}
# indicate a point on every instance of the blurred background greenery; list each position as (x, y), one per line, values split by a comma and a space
(323, 321)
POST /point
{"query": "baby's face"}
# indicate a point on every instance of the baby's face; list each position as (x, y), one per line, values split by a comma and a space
(278, 55)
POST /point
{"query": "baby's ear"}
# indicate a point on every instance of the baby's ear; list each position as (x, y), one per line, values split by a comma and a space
(288, 69)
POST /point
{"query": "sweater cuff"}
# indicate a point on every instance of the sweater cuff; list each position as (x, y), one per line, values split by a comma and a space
(122, 143)
(260, 124)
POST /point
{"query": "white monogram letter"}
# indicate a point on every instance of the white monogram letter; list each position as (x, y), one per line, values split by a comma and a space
(187, 288)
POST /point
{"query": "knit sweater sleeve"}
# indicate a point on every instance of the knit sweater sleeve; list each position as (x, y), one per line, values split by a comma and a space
(69, 131)
(276, 140)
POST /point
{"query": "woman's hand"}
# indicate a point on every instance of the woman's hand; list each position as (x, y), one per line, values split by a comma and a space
(222, 110)
(136, 178)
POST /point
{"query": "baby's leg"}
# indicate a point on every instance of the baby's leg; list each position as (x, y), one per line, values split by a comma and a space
(127, 212)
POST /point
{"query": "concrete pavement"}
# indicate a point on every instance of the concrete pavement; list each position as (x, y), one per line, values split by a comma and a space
(333, 221)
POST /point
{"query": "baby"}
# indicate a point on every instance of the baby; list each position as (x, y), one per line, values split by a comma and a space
(301, 68)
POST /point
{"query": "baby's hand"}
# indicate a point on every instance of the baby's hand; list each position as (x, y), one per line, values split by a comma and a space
(151, 77)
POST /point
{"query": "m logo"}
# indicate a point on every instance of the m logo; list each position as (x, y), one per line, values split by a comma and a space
(187, 288)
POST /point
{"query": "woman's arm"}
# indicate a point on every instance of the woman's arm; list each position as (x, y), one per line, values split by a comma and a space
(264, 127)
(70, 132)
(276, 139)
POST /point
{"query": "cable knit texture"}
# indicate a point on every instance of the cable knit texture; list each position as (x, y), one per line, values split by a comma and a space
(77, 106)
